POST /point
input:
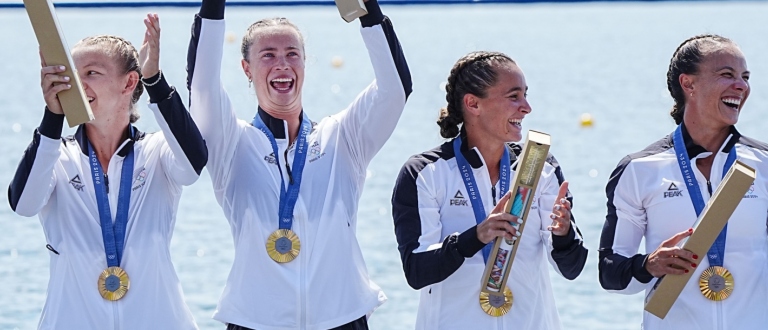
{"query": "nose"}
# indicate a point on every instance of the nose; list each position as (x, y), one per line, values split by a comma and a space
(741, 85)
(526, 108)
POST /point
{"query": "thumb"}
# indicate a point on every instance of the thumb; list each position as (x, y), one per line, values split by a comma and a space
(672, 241)
(502, 204)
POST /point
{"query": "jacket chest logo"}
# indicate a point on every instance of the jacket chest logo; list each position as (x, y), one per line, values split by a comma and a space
(751, 192)
(77, 183)
(458, 199)
(673, 191)
(315, 152)
(270, 158)
(140, 180)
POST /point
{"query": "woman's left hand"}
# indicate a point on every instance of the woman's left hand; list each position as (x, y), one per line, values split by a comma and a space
(149, 55)
(561, 213)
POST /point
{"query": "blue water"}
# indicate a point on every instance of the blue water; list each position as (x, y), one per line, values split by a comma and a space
(605, 59)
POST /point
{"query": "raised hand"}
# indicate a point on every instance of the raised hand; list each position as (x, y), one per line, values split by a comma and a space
(671, 259)
(561, 213)
(149, 55)
(52, 83)
(497, 224)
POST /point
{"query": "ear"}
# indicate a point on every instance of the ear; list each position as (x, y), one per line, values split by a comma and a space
(686, 82)
(246, 68)
(471, 105)
(130, 85)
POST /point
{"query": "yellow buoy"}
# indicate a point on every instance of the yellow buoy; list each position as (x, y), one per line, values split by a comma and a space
(337, 61)
(586, 120)
(231, 37)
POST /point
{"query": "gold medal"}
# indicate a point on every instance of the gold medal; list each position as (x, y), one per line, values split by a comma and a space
(113, 283)
(716, 283)
(283, 245)
(496, 305)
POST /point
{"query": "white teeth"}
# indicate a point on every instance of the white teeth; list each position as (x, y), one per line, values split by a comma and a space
(516, 121)
(734, 102)
(282, 80)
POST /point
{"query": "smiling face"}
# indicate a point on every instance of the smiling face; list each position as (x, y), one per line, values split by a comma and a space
(720, 87)
(275, 64)
(108, 88)
(499, 115)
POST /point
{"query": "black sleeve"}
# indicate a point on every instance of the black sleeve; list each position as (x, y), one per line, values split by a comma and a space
(616, 271)
(426, 267)
(568, 251)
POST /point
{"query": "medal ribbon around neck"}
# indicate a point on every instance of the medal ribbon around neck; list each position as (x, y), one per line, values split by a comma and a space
(289, 196)
(716, 252)
(113, 234)
(471, 185)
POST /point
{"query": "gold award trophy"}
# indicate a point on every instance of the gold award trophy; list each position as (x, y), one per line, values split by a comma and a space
(351, 9)
(716, 283)
(55, 52)
(495, 296)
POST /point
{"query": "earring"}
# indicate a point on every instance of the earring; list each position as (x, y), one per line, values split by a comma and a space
(250, 83)
(691, 94)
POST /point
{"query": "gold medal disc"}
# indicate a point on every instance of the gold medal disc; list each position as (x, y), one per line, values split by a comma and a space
(496, 305)
(716, 283)
(113, 283)
(283, 245)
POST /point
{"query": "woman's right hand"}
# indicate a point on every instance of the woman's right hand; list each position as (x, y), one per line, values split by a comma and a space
(497, 224)
(52, 83)
(671, 259)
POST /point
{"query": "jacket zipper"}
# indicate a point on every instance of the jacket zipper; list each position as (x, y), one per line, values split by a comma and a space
(493, 194)
(719, 304)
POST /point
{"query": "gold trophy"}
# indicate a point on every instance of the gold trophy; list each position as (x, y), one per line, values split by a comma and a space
(351, 9)
(495, 296)
(55, 52)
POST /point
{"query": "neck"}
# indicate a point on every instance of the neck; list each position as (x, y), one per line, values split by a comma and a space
(709, 136)
(492, 151)
(292, 119)
(105, 140)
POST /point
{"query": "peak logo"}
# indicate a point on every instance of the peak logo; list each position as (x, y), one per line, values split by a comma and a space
(673, 191)
(458, 199)
(77, 183)
(270, 158)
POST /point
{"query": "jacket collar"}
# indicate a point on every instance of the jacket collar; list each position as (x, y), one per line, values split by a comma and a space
(278, 127)
(694, 149)
(134, 135)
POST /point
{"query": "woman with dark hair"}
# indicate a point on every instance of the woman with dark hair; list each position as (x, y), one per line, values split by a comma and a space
(441, 229)
(288, 186)
(657, 195)
(109, 245)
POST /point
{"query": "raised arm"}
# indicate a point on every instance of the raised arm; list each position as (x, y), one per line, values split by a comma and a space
(184, 153)
(35, 178)
(209, 103)
(371, 118)
(566, 245)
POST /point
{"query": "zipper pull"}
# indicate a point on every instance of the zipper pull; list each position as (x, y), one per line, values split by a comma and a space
(493, 194)
(106, 182)
(709, 188)
(288, 168)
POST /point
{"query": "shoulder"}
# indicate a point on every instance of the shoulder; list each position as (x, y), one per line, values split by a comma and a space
(417, 163)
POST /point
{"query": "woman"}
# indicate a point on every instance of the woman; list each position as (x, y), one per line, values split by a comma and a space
(648, 198)
(110, 259)
(289, 187)
(440, 228)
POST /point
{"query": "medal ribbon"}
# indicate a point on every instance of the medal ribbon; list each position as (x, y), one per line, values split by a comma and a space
(112, 234)
(716, 252)
(289, 196)
(470, 184)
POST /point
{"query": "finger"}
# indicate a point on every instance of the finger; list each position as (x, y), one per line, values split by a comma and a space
(58, 88)
(509, 229)
(53, 79)
(672, 241)
(42, 60)
(681, 263)
(502, 204)
(508, 218)
(674, 271)
(563, 192)
(686, 255)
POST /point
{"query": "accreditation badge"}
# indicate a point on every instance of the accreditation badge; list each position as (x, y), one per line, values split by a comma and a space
(283, 245)
(113, 283)
(716, 283)
(496, 304)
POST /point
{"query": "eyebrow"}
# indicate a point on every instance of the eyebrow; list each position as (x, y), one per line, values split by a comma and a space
(515, 89)
(271, 49)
